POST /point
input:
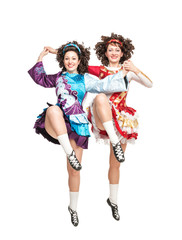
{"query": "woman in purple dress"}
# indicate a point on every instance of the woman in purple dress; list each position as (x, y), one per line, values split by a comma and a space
(66, 123)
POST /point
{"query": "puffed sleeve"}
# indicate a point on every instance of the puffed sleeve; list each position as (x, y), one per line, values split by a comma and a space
(110, 84)
(140, 78)
(40, 77)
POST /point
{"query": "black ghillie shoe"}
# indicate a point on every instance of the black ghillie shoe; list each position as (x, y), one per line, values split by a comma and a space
(118, 152)
(114, 208)
(74, 161)
(74, 217)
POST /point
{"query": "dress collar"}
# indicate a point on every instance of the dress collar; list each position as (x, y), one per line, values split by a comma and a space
(114, 68)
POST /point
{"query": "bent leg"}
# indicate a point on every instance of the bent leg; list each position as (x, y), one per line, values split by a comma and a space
(54, 122)
(103, 116)
(56, 127)
(101, 110)
(103, 119)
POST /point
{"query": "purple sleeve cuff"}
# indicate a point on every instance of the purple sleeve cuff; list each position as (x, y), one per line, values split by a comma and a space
(40, 77)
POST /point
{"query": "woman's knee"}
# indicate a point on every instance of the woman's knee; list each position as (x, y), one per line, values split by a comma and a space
(100, 99)
(73, 173)
(54, 111)
(115, 164)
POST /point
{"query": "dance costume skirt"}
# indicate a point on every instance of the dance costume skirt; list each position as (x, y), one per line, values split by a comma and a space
(125, 122)
(81, 141)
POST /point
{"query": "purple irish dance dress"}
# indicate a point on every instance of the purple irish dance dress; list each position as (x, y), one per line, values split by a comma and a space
(71, 89)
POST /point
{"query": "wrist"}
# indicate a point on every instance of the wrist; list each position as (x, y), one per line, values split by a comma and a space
(136, 71)
(40, 58)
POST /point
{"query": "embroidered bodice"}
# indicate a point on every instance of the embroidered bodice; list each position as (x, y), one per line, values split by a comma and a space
(72, 88)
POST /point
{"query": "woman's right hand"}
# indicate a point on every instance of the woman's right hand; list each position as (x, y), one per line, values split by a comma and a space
(51, 50)
(125, 72)
(42, 54)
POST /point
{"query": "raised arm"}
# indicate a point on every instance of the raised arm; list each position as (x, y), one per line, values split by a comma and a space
(109, 84)
(137, 75)
(39, 75)
(51, 50)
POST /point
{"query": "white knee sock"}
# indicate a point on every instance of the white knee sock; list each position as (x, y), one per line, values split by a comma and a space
(73, 200)
(111, 132)
(113, 193)
(65, 143)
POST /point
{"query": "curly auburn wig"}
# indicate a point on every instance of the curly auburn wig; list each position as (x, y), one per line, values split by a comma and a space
(84, 56)
(126, 48)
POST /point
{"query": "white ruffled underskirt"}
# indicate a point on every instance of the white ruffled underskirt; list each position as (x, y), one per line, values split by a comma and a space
(104, 139)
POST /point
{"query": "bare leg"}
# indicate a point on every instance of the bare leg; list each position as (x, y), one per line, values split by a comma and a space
(74, 184)
(101, 110)
(114, 167)
(56, 127)
(54, 122)
(103, 119)
(113, 176)
(73, 175)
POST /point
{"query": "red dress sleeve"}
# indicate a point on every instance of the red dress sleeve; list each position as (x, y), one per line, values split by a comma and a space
(94, 70)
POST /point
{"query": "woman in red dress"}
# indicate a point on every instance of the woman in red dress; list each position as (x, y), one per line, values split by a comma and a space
(112, 120)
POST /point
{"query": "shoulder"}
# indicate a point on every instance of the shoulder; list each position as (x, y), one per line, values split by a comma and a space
(94, 70)
(103, 69)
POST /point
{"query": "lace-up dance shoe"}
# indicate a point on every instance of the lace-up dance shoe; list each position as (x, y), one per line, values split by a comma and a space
(74, 161)
(74, 217)
(114, 208)
(118, 152)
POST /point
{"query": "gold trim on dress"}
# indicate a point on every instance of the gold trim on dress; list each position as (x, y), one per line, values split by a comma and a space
(145, 76)
(104, 69)
(120, 97)
(128, 122)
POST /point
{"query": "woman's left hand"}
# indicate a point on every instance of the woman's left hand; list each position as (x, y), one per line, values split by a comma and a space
(129, 66)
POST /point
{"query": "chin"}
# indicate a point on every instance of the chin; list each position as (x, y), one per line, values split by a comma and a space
(114, 61)
(71, 70)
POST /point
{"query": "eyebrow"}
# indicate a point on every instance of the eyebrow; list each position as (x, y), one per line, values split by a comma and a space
(70, 57)
(113, 47)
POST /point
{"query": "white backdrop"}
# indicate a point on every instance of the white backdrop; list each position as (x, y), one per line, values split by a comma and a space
(33, 179)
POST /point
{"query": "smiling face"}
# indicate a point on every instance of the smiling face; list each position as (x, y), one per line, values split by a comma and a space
(71, 61)
(113, 54)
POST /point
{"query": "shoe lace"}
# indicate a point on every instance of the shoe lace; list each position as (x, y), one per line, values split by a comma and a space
(73, 161)
(119, 151)
(74, 217)
(115, 210)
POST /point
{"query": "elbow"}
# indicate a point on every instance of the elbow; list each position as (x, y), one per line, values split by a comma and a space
(150, 85)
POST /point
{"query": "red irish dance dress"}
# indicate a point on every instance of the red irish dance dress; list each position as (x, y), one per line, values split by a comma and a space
(125, 119)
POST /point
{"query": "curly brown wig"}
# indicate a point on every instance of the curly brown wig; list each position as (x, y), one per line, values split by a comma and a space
(101, 48)
(84, 56)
